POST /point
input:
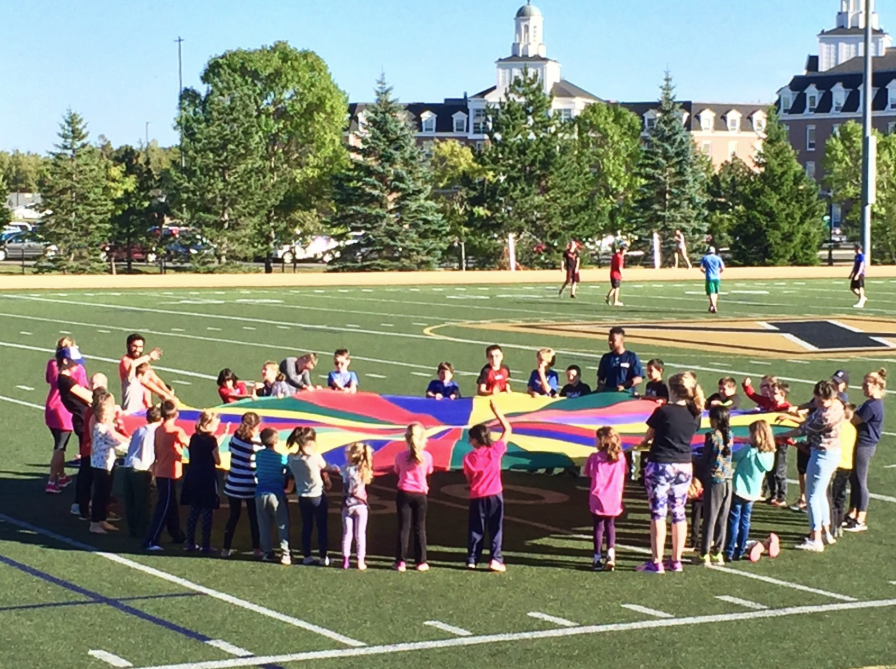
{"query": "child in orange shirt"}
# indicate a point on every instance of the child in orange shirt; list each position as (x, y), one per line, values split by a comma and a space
(170, 441)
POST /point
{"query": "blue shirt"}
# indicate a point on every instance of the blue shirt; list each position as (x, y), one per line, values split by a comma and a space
(341, 379)
(535, 382)
(869, 430)
(618, 370)
(270, 468)
(857, 268)
(436, 387)
(713, 266)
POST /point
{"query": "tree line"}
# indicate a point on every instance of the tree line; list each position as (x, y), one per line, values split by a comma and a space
(263, 161)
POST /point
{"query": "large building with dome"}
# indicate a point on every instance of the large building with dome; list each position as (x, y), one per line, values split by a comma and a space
(720, 130)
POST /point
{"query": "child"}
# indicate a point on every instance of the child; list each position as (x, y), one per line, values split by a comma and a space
(751, 463)
(656, 388)
(107, 443)
(607, 469)
(444, 387)
(764, 398)
(494, 378)
(727, 395)
(356, 475)
(231, 389)
(136, 396)
(170, 441)
(544, 380)
(273, 382)
(311, 480)
(412, 466)
(717, 473)
(574, 387)
(200, 489)
(138, 473)
(297, 372)
(617, 263)
(482, 467)
(270, 499)
(239, 486)
(841, 477)
(340, 378)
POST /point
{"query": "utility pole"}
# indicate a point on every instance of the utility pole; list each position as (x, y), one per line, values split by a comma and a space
(869, 145)
(180, 90)
(146, 145)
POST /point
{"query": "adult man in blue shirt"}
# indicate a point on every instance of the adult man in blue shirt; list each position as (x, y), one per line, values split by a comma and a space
(619, 370)
(712, 266)
(857, 277)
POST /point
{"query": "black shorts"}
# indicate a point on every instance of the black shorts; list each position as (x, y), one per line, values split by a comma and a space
(857, 283)
(802, 461)
(60, 438)
(615, 283)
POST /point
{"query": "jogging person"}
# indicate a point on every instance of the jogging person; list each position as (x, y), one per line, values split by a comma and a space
(712, 266)
(617, 264)
(681, 249)
(571, 263)
(857, 277)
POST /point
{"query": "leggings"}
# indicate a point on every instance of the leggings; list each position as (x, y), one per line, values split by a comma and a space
(83, 484)
(602, 523)
(354, 525)
(192, 519)
(411, 507)
(234, 518)
(314, 510)
(716, 508)
(102, 490)
(858, 480)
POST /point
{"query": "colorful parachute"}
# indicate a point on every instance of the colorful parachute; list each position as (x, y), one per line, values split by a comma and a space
(546, 433)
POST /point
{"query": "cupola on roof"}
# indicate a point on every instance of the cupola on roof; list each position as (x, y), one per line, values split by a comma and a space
(528, 10)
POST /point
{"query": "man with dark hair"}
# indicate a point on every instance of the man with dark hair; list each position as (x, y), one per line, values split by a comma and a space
(127, 371)
(619, 370)
(857, 277)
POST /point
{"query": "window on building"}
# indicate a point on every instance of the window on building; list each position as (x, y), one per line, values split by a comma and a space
(891, 98)
(564, 114)
(428, 148)
(810, 169)
(786, 103)
(429, 123)
(733, 124)
(460, 124)
(479, 124)
(810, 138)
(732, 149)
(759, 123)
(839, 101)
(706, 122)
(649, 122)
(835, 129)
(891, 127)
(706, 148)
(811, 101)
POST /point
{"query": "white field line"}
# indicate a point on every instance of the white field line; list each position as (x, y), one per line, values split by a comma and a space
(25, 388)
(451, 629)
(229, 648)
(189, 585)
(564, 632)
(786, 584)
(746, 603)
(375, 376)
(23, 403)
(872, 495)
(637, 608)
(563, 622)
(109, 658)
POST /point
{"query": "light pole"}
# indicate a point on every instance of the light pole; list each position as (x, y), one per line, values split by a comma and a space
(869, 145)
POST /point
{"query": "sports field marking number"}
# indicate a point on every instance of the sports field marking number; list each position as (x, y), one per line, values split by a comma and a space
(462, 491)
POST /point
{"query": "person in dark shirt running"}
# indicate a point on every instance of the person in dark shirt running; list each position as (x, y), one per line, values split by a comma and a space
(571, 264)
(619, 370)
(857, 277)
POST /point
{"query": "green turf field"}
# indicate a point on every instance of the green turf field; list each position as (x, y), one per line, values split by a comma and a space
(69, 598)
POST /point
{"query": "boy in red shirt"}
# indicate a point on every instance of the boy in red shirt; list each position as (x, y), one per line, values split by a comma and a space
(494, 378)
(170, 441)
(617, 263)
(482, 467)
(775, 399)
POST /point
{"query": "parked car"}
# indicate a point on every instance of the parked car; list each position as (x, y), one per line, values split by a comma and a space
(321, 248)
(25, 246)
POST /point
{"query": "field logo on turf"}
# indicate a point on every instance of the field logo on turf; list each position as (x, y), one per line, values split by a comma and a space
(772, 337)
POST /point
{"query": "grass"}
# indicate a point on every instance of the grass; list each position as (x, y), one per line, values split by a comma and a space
(398, 335)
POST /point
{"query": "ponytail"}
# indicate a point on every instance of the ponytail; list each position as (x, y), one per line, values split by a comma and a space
(684, 387)
(415, 436)
(722, 416)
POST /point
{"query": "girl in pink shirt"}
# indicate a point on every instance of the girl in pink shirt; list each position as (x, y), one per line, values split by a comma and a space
(607, 469)
(482, 467)
(412, 467)
(59, 419)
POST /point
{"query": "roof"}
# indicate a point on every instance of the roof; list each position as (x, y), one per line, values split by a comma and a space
(444, 112)
(850, 75)
(528, 10)
(482, 94)
(526, 59)
(857, 64)
(566, 89)
(849, 31)
(693, 109)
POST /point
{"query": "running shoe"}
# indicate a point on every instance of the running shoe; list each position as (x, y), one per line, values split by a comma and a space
(307, 561)
(828, 539)
(718, 558)
(855, 526)
(346, 563)
(773, 545)
(673, 566)
(286, 559)
(362, 566)
(811, 546)
(52, 488)
(651, 567)
(155, 548)
(610, 565)
(63, 481)
(494, 566)
(597, 565)
(227, 552)
(423, 566)
(706, 561)
(400, 566)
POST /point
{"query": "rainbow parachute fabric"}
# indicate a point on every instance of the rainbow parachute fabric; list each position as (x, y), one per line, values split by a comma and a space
(547, 433)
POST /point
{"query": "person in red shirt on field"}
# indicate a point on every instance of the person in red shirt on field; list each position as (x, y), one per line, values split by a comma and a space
(495, 376)
(571, 264)
(773, 397)
(616, 266)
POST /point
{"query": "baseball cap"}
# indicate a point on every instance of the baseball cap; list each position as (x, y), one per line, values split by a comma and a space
(711, 249)
(841, 376)
(72, 353)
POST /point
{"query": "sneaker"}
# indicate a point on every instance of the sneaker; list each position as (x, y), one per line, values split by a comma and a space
(346, 563)
(773, 545)
(208, 550)
(855, 526)
(495, 566)
(651, 567)
(113, 517)
(471, 565)
(257, 552)
(674, 566)
(610, 565)
(269, 557)
(618, 304)
(52, 488)
(191, 548)
(324, 562)
(706, 561)
(811, 546)
(308, 561)
(400, 566)
(779, 503)
(155, 548)
(227, 552)
(829, 539)
(423, 566)
(756, 551)
(63, 481)
(286, 559)
(798, 506)
(75, 510)
(97, 528)
(362, 566)
(75, 463)
(718, 559)
(597, 565)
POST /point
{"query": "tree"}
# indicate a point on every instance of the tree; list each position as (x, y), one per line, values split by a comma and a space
(539, 182)
(299, 113)
(5, 213)
(609, 136)
(725, 203)
(77, 200)
(221, 186)
(780, 220)
(672, 193)
(382, 196)
(23, 171)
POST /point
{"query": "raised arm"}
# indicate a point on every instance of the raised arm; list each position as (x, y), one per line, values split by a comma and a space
(502, 419)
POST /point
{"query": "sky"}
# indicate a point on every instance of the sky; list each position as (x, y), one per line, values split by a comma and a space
(115, 63)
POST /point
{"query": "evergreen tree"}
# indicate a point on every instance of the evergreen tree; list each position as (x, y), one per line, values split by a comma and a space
(77, 200)
(5, 213)
(780, 221)
(382, 196)
(672, 194)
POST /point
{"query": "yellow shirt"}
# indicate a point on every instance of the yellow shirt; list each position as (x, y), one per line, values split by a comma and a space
(848, 445)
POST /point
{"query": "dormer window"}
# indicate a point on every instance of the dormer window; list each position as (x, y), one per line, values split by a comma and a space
(707, 120)
(759, 122)
(838, 94)
(733, 123)
(650, 120)
(891, 95)
(460, 123)
(812, 96)
(786, 102)
(429, 122)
